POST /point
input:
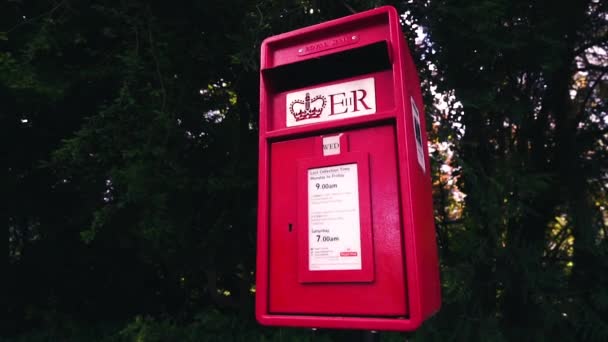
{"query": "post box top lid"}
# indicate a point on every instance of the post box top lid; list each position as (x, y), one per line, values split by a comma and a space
(315, 33)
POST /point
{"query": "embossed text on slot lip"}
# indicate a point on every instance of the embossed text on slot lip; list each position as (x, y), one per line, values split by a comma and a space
(328, 44)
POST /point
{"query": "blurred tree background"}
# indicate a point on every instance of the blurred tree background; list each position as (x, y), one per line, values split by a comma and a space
(129, 135)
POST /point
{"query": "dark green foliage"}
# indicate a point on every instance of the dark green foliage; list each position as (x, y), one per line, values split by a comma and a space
(129, 131)
(532, 230)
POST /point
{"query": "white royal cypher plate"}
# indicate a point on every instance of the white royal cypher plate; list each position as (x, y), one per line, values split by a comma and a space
(334, 102)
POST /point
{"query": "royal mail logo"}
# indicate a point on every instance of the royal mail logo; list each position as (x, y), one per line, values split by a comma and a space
(309, 108)
(334, 102)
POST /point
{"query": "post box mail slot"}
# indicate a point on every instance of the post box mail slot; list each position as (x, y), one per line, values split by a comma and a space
(346, 237)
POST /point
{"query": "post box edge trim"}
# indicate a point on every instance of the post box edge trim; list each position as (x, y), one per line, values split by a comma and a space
(337, 322)
(412, 271)
(329, 24)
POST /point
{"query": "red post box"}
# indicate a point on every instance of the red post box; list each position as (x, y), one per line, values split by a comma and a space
(346, 237)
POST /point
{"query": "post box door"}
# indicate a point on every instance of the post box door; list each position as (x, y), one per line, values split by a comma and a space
(381, 294)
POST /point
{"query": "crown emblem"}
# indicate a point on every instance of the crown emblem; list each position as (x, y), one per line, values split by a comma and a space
(310, 108)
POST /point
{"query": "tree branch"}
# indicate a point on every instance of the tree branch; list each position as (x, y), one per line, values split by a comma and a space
(590, 92)
(348, 7)
(591, 43)
(593, 67)
(47, 13)
(157, 64)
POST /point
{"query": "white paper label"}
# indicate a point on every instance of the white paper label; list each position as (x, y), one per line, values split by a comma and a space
(331, 145)
(418, 135)
(334, 102)
(334, 231)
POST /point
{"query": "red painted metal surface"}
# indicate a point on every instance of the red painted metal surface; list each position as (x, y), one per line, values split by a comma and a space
(397, 285)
